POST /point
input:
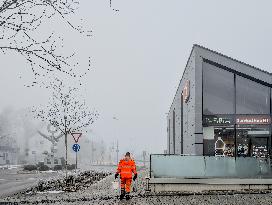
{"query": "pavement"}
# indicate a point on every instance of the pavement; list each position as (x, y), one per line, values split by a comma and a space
(102, 193)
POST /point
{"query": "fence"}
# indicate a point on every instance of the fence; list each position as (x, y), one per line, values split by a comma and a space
(178, 166)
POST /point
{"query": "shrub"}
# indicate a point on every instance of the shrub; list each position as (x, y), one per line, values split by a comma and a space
(57, 167)
(30, 167)
(71, 167)
(43, 168)
(40, 164)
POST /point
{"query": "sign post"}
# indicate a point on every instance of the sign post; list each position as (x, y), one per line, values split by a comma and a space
(76, 147)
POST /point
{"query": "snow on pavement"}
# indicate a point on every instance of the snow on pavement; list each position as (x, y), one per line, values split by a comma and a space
(103, 193)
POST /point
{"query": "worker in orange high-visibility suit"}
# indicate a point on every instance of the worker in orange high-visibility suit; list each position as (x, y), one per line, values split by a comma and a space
(125, 168)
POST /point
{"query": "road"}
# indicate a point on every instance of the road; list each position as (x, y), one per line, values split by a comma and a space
(11, 182)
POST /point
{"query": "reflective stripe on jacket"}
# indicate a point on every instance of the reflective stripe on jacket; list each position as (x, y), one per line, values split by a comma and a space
(126, 168)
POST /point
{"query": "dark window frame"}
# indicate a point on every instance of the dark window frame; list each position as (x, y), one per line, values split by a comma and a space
(169, 136)
(174, 132)
(181, 125)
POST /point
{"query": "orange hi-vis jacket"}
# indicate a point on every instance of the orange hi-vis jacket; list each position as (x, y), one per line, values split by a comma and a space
(126, 168)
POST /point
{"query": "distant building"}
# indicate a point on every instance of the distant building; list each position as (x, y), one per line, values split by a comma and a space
(51, 160)
(222, 107)
(8, 151)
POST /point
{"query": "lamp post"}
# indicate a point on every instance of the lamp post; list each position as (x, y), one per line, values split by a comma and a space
(117, 145)
(117, 153)
(66, 146)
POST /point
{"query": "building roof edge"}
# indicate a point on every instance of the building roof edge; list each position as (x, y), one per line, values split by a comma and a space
(233, 59)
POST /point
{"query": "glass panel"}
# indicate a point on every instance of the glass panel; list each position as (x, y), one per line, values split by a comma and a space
(252, 140)
(220, 167)
(218, 90)
(219, 137)
(265, 167)
(177, 166)
(251, 97)
(247, 167)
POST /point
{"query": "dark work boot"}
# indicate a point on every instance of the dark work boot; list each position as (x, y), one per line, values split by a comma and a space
(127, 196)
(123, 193)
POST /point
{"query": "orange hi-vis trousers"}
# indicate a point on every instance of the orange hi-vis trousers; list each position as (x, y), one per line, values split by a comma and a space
(125, 184)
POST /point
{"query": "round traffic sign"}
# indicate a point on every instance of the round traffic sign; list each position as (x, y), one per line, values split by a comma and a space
(76, 147)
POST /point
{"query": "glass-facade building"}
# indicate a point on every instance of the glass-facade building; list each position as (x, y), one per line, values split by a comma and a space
(222, 107)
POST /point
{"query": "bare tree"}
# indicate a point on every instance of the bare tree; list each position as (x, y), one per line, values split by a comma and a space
(19, 23)
(66, 110)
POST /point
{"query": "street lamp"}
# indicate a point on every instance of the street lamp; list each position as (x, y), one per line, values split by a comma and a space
(117, 153)
(66, 146)
(117, 145)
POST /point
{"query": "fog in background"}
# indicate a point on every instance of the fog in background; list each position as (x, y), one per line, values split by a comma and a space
(138, 55)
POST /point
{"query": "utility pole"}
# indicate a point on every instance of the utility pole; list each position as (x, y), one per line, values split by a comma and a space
(117, 153)
(66, 146)
(117, 146)
(92, 157)
(91, 161)
(144, 157)
(76, 160)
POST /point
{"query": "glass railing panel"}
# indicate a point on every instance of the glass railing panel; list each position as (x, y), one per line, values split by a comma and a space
(247, 167)
(265, 168)
(220, 167)
(177, 166)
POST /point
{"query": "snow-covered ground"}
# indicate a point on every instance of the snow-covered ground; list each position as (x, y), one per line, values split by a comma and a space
(10, 166)
(103, 193)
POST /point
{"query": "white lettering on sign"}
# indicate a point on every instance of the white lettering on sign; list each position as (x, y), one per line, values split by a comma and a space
(245, 120)
(210, 120)
(186, 91)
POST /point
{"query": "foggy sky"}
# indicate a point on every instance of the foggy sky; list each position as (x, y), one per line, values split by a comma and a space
(138, 57)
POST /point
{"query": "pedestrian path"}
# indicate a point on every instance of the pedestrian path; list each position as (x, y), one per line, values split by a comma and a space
(102, 193)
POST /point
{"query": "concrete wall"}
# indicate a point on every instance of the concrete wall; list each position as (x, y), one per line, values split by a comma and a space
(163, 185)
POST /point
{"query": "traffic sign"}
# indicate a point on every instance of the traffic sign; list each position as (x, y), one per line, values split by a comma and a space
(76, 136)
(76, 147)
